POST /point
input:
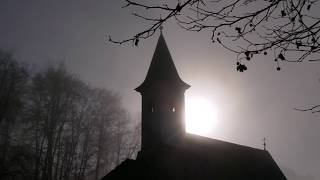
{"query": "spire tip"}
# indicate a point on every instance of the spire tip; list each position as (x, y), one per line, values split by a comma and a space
(161, 28)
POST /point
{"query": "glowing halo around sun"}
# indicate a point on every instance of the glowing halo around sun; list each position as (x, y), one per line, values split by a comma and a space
(201, 116)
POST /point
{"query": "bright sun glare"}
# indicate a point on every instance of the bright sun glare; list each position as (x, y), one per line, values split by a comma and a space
(201, 116)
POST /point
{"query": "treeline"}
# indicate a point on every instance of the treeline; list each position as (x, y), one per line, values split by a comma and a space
(54, 126)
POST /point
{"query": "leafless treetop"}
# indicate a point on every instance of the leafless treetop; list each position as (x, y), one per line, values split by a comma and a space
(288, 29)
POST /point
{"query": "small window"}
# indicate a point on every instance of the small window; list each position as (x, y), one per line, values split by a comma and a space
(151, 107)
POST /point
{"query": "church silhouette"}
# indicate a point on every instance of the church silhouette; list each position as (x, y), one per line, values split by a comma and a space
(169, 153)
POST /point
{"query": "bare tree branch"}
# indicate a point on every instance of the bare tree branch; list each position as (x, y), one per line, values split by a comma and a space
(287, 28)
(313, 109)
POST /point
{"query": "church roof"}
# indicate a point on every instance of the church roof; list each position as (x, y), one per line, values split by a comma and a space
(162, 68)
(199, 158)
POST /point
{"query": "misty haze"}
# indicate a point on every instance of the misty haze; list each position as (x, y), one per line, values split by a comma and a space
(159, 89)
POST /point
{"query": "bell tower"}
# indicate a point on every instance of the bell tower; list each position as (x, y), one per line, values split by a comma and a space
(162, 94)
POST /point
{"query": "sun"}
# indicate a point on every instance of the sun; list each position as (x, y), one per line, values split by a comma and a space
(201, 116)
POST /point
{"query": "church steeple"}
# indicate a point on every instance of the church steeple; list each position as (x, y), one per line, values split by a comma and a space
(162, 94)
(162, 68)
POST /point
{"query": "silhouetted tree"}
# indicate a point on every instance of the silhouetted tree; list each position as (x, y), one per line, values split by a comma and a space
(54, 126)
(286, 29)
(54, 121)
(70, 127)
(13, 82)
(114, 131)
(106, 105)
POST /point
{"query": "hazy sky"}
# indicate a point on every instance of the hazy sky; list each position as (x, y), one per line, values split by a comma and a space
(252, 105)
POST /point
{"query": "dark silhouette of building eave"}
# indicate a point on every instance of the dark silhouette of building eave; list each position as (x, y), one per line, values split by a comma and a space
(162, 69)
(186, 158)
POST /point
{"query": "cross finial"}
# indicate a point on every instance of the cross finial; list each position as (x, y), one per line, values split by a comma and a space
(264, 143)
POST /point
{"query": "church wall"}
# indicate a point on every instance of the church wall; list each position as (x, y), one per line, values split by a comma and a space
(162, 115)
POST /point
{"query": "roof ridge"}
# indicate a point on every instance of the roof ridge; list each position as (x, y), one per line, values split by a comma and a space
(224, 142)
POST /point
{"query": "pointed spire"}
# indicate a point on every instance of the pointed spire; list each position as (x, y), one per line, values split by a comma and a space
(162, 67)
(161, 28)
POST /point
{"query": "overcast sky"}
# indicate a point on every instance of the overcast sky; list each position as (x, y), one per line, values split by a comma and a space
(252, 105)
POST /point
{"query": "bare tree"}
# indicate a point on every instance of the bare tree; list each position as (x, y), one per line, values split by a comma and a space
(132, 141)
(13, 83)
(105, 103)
(55, 127)
(75, 131)
(287, 29)
(53, 120)
(112, 127)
